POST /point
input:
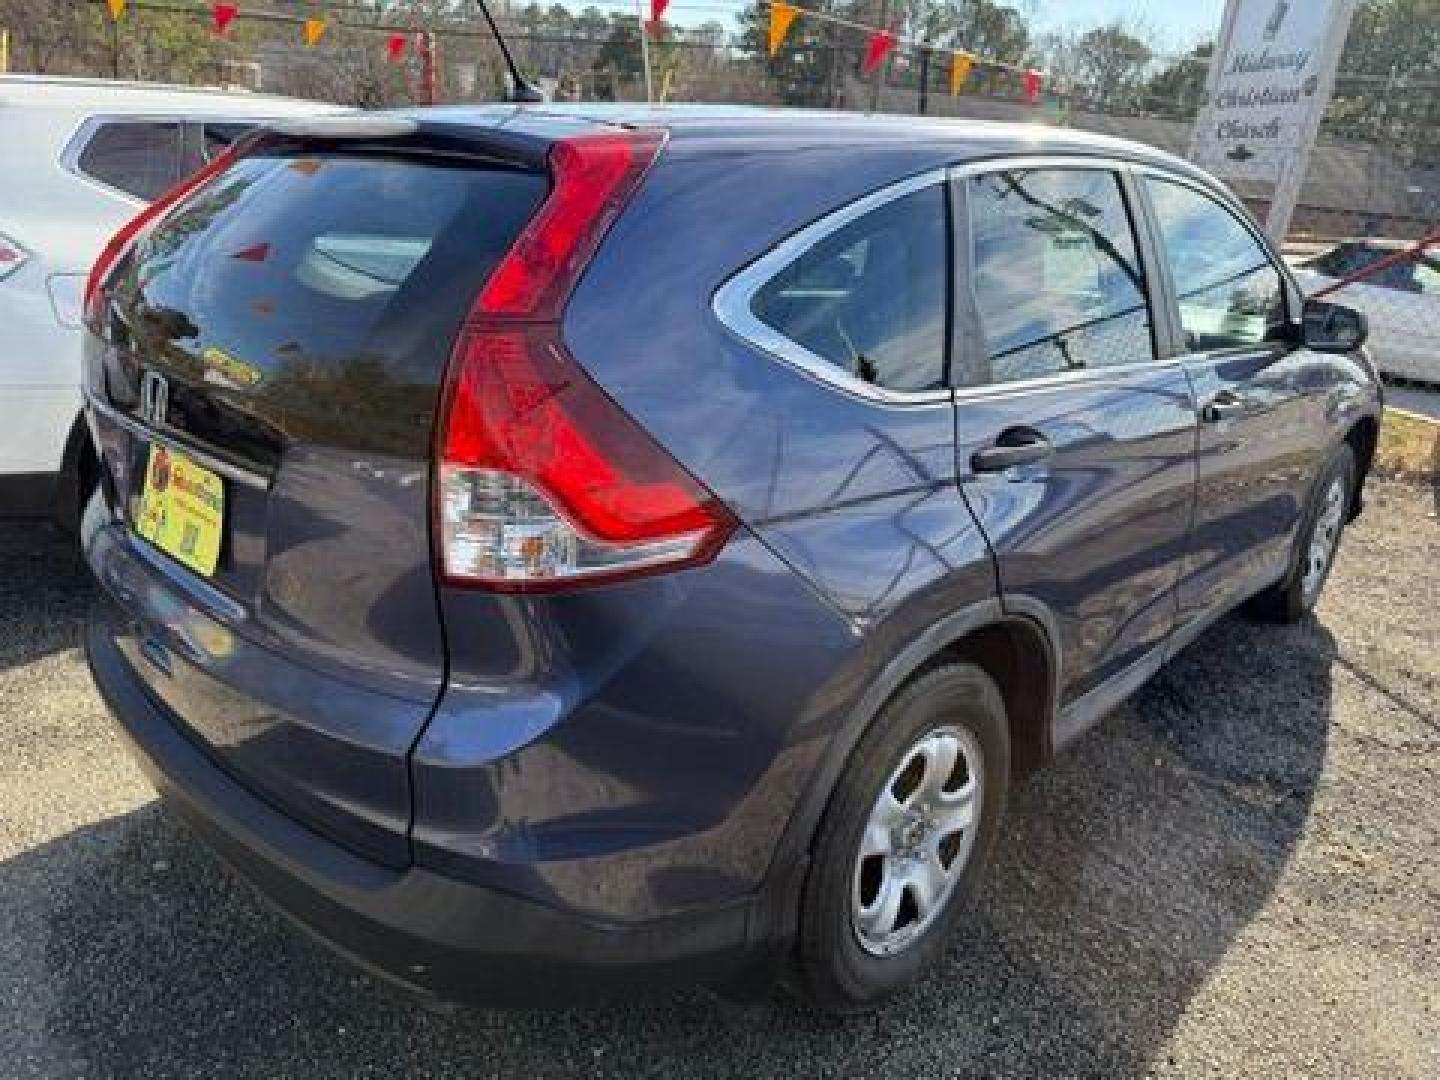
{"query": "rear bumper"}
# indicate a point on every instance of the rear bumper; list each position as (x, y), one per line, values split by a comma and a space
(446, 938)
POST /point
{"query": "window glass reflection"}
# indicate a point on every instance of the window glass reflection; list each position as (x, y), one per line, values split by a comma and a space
(1056, 279)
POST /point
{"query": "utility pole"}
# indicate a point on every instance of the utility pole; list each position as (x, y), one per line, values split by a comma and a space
(644, 51)
(875, 87)
(429, 87)
(832, 95)
(924, 79)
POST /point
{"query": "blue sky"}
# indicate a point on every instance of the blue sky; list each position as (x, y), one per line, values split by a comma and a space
(1176, 23)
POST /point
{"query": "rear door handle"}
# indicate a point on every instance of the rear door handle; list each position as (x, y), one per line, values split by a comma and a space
(1225, 405)
(1014, 446)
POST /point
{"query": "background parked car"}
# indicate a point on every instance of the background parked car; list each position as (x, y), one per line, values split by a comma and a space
(81, 158)
(1401, 300)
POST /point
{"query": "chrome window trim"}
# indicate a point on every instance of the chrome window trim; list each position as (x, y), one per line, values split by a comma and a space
(75, 147)
(1081, 161)
(732, 301)
(1060, 379)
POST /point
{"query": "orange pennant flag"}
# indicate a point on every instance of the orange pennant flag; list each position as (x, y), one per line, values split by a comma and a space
(117, 9)
(959, 71)
(314, 31)
(781, 16)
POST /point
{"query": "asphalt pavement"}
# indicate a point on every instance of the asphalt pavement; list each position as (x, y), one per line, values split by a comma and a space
(1235, 874)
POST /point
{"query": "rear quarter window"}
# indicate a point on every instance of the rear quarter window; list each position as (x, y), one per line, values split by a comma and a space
(870, 297)
(140, 158)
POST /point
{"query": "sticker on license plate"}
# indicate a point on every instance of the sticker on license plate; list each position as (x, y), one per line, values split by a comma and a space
(182, 509)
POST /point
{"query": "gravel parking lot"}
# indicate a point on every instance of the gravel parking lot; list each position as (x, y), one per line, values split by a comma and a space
(1237, 873)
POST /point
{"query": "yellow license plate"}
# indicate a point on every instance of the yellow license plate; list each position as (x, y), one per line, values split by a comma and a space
(182, 509)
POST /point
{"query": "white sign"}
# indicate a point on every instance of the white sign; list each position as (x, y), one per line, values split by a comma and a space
(1269, 84)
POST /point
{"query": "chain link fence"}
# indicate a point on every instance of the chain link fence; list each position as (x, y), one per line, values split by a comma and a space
(1375, 172)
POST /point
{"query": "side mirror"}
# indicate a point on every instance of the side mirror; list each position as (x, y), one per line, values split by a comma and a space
(1333, 328)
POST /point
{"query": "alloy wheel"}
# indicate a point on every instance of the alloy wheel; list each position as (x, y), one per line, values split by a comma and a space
(917, 840)
(1323, 539)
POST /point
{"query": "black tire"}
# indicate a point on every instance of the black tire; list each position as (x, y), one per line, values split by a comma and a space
(1289, 600)
(833, 969)
(80, 475)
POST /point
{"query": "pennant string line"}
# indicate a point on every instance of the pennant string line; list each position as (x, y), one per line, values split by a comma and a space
(783, 12)
(901, 41)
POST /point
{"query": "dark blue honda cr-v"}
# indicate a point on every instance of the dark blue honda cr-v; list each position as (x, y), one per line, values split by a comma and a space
(548, 551)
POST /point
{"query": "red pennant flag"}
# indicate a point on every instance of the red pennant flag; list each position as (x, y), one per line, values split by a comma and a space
(1032, 86)
(223, 15)
(879, 46)
(255, 253)
(657, 9)
(395, 47)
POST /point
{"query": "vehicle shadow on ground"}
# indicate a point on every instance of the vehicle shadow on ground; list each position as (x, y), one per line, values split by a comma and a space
(1122, 877)
(45, 592)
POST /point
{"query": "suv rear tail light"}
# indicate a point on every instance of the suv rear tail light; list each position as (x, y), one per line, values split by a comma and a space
(136, 227)
(592, 179)
(12, 256)
(543, 482)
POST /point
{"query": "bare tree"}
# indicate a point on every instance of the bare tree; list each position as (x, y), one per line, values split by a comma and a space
(1057, 53)
(1111, 62)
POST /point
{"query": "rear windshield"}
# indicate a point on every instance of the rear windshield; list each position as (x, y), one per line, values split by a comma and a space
(304, 285)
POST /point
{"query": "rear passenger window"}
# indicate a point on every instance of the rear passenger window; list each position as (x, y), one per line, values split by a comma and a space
(139, 158)
(870, 298)
(1230, 294)
(1055, 276)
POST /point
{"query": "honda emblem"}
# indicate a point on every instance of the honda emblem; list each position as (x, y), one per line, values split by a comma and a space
(154, 398)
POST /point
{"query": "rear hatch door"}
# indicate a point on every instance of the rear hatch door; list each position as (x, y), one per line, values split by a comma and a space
(275, 346)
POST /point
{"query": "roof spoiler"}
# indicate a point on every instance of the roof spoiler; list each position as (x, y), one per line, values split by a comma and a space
(424, 133)
(344, 127)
